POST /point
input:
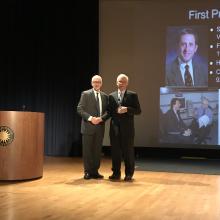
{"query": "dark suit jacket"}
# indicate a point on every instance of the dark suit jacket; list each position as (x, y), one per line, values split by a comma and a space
(88, 107)
(172, 124)
(174, 77)
(126, 120)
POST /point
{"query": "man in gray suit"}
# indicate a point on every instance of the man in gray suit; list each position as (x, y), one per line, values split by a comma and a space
(92, 108)
(184, 71)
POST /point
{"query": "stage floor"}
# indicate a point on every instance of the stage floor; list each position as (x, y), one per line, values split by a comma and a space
(63, 194)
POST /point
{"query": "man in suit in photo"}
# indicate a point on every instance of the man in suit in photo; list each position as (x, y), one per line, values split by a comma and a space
(92, 108)
(123, 105)
(185, 71)
(175, 128)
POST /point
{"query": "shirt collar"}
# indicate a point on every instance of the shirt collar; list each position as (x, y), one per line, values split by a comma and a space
(122, 92)
(183, 64)
(96, 91)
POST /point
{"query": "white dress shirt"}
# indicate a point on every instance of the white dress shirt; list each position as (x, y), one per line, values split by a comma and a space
(100, 100)
(100, 103)
(120, 95)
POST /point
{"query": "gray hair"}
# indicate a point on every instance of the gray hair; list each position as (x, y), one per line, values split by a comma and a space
(122, 75)
(96, 77)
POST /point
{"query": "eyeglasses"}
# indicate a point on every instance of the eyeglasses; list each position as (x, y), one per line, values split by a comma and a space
(96, 82)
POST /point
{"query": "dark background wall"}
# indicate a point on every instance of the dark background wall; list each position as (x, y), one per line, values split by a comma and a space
(49, 51)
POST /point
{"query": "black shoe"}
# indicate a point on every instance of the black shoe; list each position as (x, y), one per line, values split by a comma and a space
(87, 176)
(128, 178)
(97, 176)
(115, 177)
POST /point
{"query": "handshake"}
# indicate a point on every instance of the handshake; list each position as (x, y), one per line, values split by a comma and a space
(96, 120)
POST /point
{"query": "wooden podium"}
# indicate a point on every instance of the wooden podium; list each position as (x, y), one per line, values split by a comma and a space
(21, 145)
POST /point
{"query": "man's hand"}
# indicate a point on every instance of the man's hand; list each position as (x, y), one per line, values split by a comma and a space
(187, 132)
(99, 119)
(96, 120)
(122, 110)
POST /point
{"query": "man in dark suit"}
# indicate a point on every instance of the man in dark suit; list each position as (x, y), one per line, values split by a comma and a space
(123, 105)
(175, 129)
(185, 71)
(92, 108)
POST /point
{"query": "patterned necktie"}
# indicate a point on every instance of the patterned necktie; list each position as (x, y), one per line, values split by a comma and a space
(98, 103)
(120, 98)
(187, 76)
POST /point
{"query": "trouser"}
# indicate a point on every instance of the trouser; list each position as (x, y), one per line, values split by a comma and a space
(92, 147)
(122, 147)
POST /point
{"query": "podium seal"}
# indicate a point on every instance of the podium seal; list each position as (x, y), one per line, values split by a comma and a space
(6, 136)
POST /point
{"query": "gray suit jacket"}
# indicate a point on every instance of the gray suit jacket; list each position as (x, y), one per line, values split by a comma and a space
(174, 77)
(87, 107)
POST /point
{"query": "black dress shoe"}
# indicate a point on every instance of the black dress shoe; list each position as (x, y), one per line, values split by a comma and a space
(87, 176)
(128, 178)
(115, 177)
(97, 176)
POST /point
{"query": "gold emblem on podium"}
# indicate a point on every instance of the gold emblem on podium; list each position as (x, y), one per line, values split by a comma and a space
(6, 136)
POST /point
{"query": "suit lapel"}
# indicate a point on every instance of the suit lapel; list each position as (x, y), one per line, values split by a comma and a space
(115, 95)
(195, 74)
(93, 98)
(92, 94)
(124, 97)
(103, 101)
(174, 115)
(179, 78)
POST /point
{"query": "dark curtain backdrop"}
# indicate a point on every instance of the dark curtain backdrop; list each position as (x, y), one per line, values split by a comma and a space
(48, 53)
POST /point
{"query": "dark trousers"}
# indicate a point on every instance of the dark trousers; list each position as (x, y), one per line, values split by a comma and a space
(122, 147)
(92, 147)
